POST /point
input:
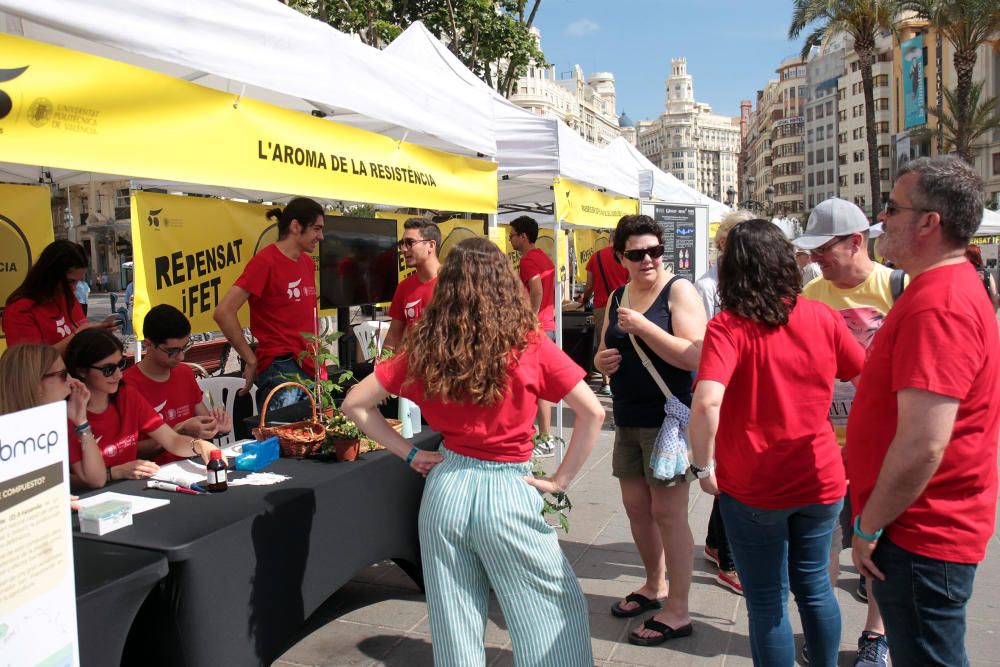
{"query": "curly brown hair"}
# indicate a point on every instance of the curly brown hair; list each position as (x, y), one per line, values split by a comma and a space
(479, 320)
(758, 276)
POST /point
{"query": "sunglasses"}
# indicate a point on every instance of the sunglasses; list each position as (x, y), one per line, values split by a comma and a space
(107, 370)
(172, 352)
(892, 209)
(828, 246)
(636, 255)
(409, 243)
(62, 375)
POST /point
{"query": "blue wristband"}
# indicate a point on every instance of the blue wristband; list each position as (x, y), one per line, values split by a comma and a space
(409, 457)
(81, 428)
(865, 536)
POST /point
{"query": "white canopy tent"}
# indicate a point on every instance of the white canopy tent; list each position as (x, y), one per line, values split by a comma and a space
(990, 225)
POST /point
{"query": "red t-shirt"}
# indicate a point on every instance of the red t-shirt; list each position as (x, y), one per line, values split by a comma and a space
(25, 321)
(174, 400)
(537, 263)
(940, 336)
(410, 299)
(119, 428)
(775, 447)
(615, 273)
(500, 432)
(282, 305)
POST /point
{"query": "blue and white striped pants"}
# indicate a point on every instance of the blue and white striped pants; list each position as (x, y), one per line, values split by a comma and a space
(481, 527)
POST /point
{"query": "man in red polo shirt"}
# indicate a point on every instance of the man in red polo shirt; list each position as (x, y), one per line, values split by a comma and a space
(605, 274)
(419, 246)
(538, 274)
(922, 433)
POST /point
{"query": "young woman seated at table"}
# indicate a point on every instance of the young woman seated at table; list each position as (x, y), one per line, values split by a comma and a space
(103, 444)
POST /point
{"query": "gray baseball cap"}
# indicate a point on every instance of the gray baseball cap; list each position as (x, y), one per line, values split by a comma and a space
(831, 218)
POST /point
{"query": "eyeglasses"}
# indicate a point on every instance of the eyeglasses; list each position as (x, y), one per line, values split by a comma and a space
(636, 255)
(107, 370)
(62, 375)
(409, 243)
(172, 352)
(891, 208)
(829, 245)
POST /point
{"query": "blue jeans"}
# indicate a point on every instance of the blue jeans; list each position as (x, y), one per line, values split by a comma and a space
(777, 548)
(280, 370)
(923, 605)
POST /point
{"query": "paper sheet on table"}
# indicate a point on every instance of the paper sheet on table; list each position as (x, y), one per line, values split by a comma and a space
(139, 503)
(183, 473)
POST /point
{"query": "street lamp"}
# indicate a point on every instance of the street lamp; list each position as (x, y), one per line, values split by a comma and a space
(749, 202)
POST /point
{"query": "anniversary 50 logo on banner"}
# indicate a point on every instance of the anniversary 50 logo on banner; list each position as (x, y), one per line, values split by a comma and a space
(190, 250)
(77, 111)
(25, 230)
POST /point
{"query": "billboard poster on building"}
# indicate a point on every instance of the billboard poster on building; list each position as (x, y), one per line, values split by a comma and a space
(678, 223)
(914, 95)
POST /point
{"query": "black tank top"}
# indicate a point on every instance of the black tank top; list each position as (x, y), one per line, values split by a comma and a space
(638, 401)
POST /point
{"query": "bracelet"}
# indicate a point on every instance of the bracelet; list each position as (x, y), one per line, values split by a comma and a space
(409, 457)
(85, 426)
(865, 536)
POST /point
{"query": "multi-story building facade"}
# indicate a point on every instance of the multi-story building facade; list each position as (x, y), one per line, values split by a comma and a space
(824, 69)
(586, 104)
(756, 157)
(99, 218)
(688, 140)
(852, 160)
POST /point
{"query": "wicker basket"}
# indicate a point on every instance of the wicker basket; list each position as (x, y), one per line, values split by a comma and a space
(301, 438)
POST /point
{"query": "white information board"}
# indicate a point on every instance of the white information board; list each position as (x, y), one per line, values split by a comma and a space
(37, 594)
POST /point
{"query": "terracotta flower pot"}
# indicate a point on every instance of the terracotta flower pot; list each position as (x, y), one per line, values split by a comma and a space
(347, 449)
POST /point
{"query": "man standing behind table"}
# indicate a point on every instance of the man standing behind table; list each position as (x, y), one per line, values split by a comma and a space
(82, 293)
(538, 274)
(280, 285)
(922, 435)
(169, 385)
(420, 245)
(836, 239)
(605, 274)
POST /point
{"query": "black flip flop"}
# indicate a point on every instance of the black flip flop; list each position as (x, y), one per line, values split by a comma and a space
(643, 603)
(666, 632)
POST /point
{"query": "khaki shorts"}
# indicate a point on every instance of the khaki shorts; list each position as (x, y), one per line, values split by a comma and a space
(630, 457)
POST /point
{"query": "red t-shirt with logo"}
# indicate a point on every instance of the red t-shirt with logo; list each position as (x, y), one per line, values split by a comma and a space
(775, 447)
(940, 336)
(500, 432)
(174, 400)
(615, 273)
(26, 321)
(537, 263)
(410, 299)
(282, 305)
(127, 419)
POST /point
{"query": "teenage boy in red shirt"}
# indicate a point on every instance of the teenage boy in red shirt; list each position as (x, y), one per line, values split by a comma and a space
(169, 385)
(280, 285)
(420, 245)
(922, 434)
(538, 274)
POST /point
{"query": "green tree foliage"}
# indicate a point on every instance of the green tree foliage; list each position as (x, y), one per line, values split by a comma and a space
(491, 37)
(863, 20)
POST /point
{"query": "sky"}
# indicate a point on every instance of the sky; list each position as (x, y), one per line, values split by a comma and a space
(732, 46)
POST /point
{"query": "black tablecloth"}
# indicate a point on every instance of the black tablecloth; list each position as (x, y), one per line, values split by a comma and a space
(248, 566)
(111, 583)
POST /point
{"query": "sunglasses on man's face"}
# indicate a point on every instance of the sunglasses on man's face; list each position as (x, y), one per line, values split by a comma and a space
(107, 370)
(636, 254)
(409, 243)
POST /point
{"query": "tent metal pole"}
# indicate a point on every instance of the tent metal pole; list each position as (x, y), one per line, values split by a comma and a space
(557, 285)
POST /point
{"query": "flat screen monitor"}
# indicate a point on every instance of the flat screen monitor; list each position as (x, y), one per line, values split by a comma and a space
(358, 261)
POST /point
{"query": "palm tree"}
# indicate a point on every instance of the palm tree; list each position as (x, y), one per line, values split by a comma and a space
(967, 24)
(863, 20)
(983, 115)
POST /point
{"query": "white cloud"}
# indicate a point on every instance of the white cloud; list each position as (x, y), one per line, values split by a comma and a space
(582, 27)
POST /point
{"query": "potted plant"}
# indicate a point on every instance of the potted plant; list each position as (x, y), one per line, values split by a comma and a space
(343, 437)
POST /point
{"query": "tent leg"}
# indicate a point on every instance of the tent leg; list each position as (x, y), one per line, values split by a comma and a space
(557, 233)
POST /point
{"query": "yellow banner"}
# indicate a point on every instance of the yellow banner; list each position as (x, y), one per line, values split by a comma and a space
(452, 232)
(77, 111)
(25, 230)
(585, 243)
(582, 206)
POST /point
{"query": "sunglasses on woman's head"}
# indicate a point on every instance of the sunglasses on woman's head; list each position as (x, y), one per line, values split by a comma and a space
(107, 370)
(636, 255)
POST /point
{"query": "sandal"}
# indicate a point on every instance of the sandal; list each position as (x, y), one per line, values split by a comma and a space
(666, 632)
(643, 604)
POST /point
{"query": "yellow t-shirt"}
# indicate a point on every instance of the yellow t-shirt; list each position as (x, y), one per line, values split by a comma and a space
(864, 309)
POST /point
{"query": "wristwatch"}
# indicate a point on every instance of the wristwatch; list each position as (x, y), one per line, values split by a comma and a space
(702, 473)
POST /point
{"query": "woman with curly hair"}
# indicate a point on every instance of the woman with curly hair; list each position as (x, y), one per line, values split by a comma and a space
(475, 363)
(760, 407)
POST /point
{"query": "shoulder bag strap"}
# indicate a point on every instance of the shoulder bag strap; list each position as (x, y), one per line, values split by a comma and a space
(604, 278)
(643, 357)
(896, 283)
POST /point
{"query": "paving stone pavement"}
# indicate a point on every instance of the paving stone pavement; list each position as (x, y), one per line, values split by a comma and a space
(380, 617)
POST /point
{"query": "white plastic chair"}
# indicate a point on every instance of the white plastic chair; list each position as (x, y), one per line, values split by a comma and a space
(365, 332)
(223, 392)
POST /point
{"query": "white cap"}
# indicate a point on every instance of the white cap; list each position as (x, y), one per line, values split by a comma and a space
(831, 218)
